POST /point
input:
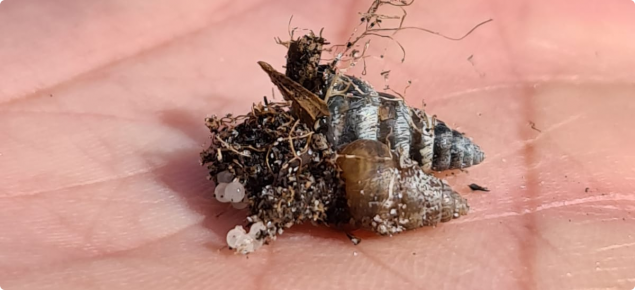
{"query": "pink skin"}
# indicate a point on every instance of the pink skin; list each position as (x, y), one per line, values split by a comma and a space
(102, 106)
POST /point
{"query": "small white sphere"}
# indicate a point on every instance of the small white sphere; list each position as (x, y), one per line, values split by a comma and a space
(257, 228)
(224, 176)
(235, 192)
(219, 192)
(243, 243)
(234, 235)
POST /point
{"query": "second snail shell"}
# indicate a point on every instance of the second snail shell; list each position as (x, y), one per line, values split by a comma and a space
(386, 197)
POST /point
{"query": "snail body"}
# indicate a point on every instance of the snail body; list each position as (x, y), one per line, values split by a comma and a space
(387, 198)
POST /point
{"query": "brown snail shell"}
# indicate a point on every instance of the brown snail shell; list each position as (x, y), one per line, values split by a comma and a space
(387, 198)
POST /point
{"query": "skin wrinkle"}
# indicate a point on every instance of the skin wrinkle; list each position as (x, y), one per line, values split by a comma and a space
(81, 185)
(530, 141)
(530, 81)
(527, 245)
(98, 69)
(546, 243)
(375, 260)
(86, 152)
(552, 205)
(77, 115)
(603, 207)
(608, 248)
(120, 200)
(102, 255)
(101, 213)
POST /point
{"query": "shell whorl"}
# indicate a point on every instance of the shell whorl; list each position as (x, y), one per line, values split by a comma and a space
(452, 150)
(387, 198)
(359, 112)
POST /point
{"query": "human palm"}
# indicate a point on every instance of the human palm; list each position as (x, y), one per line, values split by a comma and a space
(102, 106)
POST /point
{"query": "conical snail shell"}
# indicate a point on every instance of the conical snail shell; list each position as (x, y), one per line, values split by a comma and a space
(452, 150)
(387, 199)
(357, 111)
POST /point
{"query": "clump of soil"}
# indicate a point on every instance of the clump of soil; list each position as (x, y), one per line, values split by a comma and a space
(287, 169)
(278, 161)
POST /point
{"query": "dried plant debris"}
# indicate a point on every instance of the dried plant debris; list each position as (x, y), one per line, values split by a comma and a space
(336, 152)
(285, 169)
(533, 127)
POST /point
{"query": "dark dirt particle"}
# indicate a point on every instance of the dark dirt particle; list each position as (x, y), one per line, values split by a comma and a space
(533, 126)
(354, 239)
(475, 186)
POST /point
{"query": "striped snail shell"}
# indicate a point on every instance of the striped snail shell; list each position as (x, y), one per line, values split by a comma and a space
(359, 112)
(452, 150)
(387, 198)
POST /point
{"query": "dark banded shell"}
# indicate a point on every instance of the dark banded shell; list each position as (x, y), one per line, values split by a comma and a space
(452, 150)
(359, 112)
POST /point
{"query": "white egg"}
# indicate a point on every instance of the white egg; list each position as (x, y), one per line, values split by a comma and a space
(235, 192)
(219, 192)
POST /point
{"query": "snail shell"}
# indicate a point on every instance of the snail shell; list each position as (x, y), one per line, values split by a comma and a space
(452, 150)
(357, 111)
(387, 198)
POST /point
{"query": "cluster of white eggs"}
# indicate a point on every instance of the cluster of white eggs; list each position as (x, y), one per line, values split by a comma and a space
(230, 190)
(244, 242)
